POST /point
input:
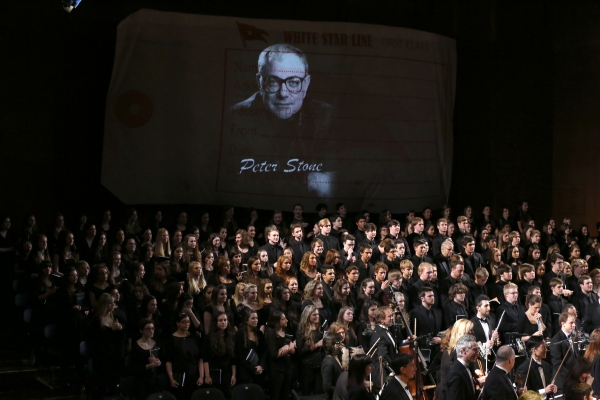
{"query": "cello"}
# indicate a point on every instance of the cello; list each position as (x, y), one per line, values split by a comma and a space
(416, 385)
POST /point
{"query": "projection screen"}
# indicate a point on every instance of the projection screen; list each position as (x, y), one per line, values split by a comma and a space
(267, 113)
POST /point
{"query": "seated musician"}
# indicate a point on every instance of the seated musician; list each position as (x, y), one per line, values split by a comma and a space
(537, 371)
(404, 368)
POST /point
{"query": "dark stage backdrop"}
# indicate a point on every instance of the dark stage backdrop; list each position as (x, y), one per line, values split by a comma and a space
(57, 69)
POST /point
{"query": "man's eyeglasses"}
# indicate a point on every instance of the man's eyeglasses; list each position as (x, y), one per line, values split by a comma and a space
(272, 84)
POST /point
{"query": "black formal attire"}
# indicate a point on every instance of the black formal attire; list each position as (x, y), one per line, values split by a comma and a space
(472, 262)
(246, 371)
(416, 261)
(524, 288)
(445, 285)
(556, 305)
(498, 386)
(386, 348)
(581, 301)
(394, 390)
(558, 353)
(498, 291)
(329, 242)
(428, 321)
(299, 248)
(436, 245)
(413, 293)
(145, 381)
(534, 380)
(311, 380)
(596, 372)
(274, 252)
(548, 276)
(525, 326)
(331, 369)
(280, 371)
(475, 291)
(447, 361)
(360, 393)
(443, 266)
(454, 311)
(510, 320)
(364, 270)
(591, 319)
(459, 383)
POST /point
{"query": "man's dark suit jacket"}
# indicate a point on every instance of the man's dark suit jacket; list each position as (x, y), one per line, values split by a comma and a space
(424, 325)
(413, 292)
(443, 266)
(591, 319)
(299, 248)
(459, 384)
(329, 242)
(534, 381)
(274, 252)
(446, 284)
(498, 386)
(452, 310)
(385, 349)
(510, 320)
(471, 265)
(558, 353)
(394, 391)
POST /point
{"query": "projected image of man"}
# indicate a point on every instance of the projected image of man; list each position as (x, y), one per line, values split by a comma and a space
(283, 80)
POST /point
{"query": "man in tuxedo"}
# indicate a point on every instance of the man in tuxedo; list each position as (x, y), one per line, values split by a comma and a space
(457, 270)
(272, 247)
(472, 259)
(442, 260)
(404, 369)
(537, 371)
(429, 319)
(484, 323)
(562, 343)
(498, 385)
(425, 276)
(441, 237)
(460, 383)
(297, 243)
(512, 310)
(386, 348)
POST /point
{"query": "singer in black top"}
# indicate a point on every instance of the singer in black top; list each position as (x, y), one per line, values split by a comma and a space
(455, 309)
(310, 343)
(251, 351)
(279, 349)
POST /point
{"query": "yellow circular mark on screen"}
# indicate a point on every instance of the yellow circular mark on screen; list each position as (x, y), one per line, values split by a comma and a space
(133, 108)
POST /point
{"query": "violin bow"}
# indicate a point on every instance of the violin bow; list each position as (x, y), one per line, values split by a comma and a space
(371, 353)
(560, 366)
(529, 368)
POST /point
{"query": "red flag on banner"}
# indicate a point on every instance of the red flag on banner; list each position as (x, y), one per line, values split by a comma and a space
(249, 32)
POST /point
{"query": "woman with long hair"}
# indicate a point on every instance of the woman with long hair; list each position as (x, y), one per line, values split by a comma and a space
(218, 303)
(162, 247)
(331, 367)
(40, 250)
(118, 240)
(359, 369)
(66, 253)
(132, 225)
(493, 264)
(219, 355)
(346, 318)
(295, 293)
(238, 297)
(284, 303)
(341, 296)
(208, 260)
(265, 267)
(222, 276)
(177, 239)
(592, 354)
(129, 253)
(313, 296)
(158, 283)
(116, 271)
(310, 342)
(250, 349)
(190, 249)
(265, 292)
(235, 264)
(107, 345)
(580, 372)
(184, 360)
(333, 258)
(101, 284)
(308, 269)
(279, 350)
(242, 245)
(459, 329)
(176, 263)
(530, 322)
(195, 282)
(367, 323)
(365, 292)
(148, 310)
(254, 272)
(282, 271)
(534, 254)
